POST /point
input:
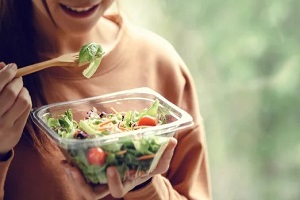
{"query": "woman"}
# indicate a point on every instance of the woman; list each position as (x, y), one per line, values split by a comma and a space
(31, 167)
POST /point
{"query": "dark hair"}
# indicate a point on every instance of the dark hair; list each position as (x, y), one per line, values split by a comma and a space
(17, 32)
(17, 45)
(17, 36)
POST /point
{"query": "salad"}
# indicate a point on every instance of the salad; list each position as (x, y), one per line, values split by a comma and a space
(133, 155)
(92, 53)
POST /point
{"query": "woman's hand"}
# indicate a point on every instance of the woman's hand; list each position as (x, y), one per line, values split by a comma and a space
(15, 105)
(115, 186)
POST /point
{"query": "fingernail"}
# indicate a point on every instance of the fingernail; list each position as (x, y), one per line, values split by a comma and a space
(110, 172)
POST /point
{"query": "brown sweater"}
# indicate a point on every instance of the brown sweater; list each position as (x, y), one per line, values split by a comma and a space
(140, 59)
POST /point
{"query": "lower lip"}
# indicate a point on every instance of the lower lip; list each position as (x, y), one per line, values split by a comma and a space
(75, 14)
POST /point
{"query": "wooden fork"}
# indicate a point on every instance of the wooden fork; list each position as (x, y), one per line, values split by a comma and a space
(66, 60)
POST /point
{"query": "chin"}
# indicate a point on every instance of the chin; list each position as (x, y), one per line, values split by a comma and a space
(77, 29)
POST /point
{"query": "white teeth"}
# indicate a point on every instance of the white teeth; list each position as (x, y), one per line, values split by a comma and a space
(79, 9)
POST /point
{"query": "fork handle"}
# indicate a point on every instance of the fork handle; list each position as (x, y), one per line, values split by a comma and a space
(36, 67)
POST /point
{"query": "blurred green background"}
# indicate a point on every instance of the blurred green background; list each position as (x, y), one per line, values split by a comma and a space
(244, 56)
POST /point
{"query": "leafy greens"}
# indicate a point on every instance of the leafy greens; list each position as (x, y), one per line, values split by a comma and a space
(93, 53)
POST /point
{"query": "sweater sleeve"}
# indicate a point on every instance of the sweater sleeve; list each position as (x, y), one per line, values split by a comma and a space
(4, 165)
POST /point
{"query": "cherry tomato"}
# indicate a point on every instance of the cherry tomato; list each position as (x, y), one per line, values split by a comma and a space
(96, 156)
(147, 121)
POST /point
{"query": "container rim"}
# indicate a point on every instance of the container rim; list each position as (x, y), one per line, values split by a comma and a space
(183, 122)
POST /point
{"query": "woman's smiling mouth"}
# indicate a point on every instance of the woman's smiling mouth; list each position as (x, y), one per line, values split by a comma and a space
(79, 12)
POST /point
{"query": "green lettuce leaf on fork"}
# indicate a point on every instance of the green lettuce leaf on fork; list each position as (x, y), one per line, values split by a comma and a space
(92, 53)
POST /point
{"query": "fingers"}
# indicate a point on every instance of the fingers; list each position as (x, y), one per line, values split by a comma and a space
(115, 186)
(114, 182)
(78, 180)
(82, 186)
(9, 88)
(7, 73)
(15, 105)
(21, 110)
(9, 94)
(118, 188)
(163, 164)
(21, 121)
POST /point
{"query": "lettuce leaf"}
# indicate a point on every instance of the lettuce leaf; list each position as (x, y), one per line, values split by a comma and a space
(92, 53)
